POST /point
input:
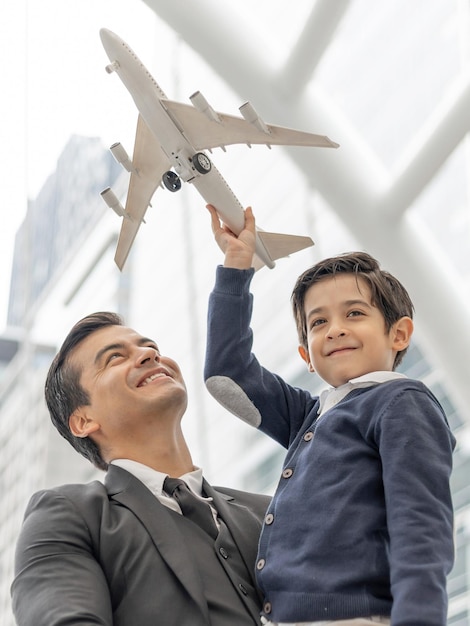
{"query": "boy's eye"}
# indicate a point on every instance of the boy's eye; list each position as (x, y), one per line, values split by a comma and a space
(355, 313)
(317, 322)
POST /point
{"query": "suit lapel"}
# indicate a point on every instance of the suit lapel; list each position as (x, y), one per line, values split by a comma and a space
(243, 525)
(129, 491)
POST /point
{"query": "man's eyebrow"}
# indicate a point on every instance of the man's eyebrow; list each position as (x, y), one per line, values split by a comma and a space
(111, 346)
(142, 341)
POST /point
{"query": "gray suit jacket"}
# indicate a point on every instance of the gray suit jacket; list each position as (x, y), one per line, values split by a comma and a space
(112, 555)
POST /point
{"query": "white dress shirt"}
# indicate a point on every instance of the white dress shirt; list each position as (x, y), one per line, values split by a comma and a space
(154, 479)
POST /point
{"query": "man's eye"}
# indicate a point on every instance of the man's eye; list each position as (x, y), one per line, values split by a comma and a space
(113, 356)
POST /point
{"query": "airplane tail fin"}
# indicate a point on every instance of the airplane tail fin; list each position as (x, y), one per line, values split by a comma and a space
(279, 245)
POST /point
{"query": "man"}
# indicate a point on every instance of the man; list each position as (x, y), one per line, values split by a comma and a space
(121, 553)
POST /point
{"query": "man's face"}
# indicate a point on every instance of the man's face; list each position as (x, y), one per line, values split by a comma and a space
(346, 333)
(132, 388)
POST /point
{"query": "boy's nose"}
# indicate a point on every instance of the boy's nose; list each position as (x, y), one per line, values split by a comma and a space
(335, 331)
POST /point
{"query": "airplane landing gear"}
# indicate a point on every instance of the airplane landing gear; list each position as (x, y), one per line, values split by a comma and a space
(201, 163)
(172, 181)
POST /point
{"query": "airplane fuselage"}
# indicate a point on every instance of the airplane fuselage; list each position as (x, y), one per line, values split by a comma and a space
(150, 99)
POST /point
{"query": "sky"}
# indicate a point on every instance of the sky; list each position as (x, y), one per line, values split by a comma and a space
(55, 85)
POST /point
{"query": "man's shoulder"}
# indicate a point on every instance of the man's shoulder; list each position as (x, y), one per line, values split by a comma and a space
(246, 498)
(79, 494)
(90, 489)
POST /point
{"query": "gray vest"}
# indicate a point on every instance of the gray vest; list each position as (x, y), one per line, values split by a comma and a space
(228, 585)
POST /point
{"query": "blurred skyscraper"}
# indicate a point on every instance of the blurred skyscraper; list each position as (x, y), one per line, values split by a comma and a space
(58, 223)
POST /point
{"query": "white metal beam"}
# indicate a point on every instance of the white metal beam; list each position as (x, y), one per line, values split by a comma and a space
(366, 197)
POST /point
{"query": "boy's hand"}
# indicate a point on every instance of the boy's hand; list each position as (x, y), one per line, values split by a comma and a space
(239, 250)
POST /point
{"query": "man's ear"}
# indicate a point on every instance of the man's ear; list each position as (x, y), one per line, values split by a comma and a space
(81, 425)
(401, 333)
(306, 357)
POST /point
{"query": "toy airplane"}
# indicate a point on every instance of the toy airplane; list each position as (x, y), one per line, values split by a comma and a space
(169, 148)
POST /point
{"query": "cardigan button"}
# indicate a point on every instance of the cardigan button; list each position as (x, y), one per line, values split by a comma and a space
(287, 473)
(269, 519)
(260, 564)
(267, 608)
(308, 436)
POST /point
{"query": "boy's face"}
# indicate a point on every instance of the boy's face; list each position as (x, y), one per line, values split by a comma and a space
(346, 333)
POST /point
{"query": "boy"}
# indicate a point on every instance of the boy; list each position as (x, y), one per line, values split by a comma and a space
(360, 530)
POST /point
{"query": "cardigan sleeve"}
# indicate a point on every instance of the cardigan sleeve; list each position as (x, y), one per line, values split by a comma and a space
(232, 373)
(416, 445)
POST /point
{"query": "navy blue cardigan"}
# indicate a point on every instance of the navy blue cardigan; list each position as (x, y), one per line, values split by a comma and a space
(361, 522)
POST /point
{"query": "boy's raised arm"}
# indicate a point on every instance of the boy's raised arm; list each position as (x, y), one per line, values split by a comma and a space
(238, 251)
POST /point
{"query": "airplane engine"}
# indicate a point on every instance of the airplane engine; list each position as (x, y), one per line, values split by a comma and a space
(112, 67)
(249, 113)
(201, 104)
(121, 156)
(112, 201)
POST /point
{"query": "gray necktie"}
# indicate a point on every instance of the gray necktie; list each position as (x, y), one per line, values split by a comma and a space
(192, 507)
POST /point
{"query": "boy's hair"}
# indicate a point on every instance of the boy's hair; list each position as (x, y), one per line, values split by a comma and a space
(387, 293)
(63, 391)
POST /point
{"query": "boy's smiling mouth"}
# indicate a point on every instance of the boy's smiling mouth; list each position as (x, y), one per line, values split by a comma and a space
(341, 350)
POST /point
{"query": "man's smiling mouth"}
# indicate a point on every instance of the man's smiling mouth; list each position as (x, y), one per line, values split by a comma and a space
(152, 377)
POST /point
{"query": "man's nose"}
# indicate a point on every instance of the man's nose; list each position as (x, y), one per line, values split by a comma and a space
(146, 354)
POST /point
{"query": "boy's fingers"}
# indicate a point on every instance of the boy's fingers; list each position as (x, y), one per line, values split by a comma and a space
(215, 221)
(218, 226)
(249, 218)
(249, 213)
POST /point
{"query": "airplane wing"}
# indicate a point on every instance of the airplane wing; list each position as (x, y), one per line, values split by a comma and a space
(150, 163)
(269, 246)
(204, 133)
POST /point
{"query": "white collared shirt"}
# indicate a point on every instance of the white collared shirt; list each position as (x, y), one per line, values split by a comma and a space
(330, 397)
(154, 479)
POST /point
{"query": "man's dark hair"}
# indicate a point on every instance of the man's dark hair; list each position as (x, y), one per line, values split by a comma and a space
(63, 391)
(387, 293)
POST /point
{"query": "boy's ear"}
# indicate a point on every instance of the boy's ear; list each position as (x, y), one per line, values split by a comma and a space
(402, 331)
(81, 425)
(306, 357)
